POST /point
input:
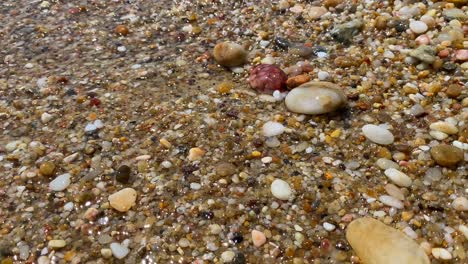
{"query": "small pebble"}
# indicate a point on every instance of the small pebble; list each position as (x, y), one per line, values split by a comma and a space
(444, 127)
(460, 204)
(446, 155)
(328, 226)
(228, 256)
(271, 129)
(438, 135)
(60, 183)
(196, 154)
(384, 164)
(123, 174)
(118, 250)
(47, 169)
(229, 54)
(315, 12)
(398, 177)
(123, 200)
(418, 27)
(106, 253)
(258, 238)
(378, 134)
(323, 75)
(441, 253)
(267, 78)
(281, 189)
(225, 169)
(394, 191)
(46, 117)
(57, 244)
(391, 201)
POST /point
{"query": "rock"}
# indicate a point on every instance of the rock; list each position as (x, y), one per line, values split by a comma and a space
(267, 78)
(378, 134)
(445, 127)
(258, 238)
(423, 40)
(123, 200)
(418, 27)
(384, 164)
(301, 51)
(461, 55)
(225, 169)
(60, 183)
(344, 33)
(315, 12)
(195, 154)
(424, 53)
(454, 13)
(271, 129)
(377, 243)
(446, 155)
(438, 135)
(329, 227)
(391, 201)
(228, 256)
(441, 253)
(229, 54)
(460, 204)
(123, 174)
(282, 43)
(106, 253)
(46, 117)
(323, 75)
(47, 169)
(121, 30)
(281, 189)
(315, 98)
(57, 244)
(295, 81)
(398, 177)
(454, 90)
(118, 250)
(394, 191)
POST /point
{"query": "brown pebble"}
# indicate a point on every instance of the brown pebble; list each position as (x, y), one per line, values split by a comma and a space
(225, 169)
(121, 30)
(47, 169)
(331, 3)
(295, 81)
(381, 22)
(454, 90)
(446, 155)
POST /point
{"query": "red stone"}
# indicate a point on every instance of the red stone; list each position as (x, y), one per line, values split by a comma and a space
(267, 78)
(94, 102)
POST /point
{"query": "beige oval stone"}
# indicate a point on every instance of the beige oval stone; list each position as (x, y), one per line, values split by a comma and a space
(446, 155)
(229, 54)
(315, 98)
(123, 200)
(377, 243)
(445, 127)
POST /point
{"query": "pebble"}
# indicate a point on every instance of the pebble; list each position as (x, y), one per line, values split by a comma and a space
(225, 169)
(195, 154)
(398, 177)
(454, 13)
(444, 127)
(384, 164)
(258, 238)
(328, 226)
(57, 243)
(315, 98)
(123, 200)
(229, 54)
(446, 155)
(423, 40)
(118, 250)
(391, 201)
(281, 189)
(60, 183)
(394, 191)
(166, 164)
(345, 32)
(121, 30)
(46, 117)
(271, 129)
(42, 260)
(123, 174)
(418, 27)
(228, 256)
(375, 242)
(47, 169)
(295, 81)
(454, 90)
(438, 135)
(106, 253)
(378, 134)
(441, 253)
(460, 204)
(424, 53)
(464, 230)
(461, 55)
(315, 12)
(323, 75)
(267, 78)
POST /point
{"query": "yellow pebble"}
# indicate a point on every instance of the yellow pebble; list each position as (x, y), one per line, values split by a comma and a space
(336, 133)
(165, 143)
(256, 154)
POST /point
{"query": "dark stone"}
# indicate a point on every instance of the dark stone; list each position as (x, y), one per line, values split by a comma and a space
(239, 258)
(342, 245)
(344, 33)
(123, 174)
(449, 66)
(208, 215)
(237, 238)
(282, 43)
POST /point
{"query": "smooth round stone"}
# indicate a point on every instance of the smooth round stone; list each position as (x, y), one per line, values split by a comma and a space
(444, 127)
(258, 238)
(229, 54)
(391, 201)
(47, 169)
(225, 169)
(266, 78)
(315, 12)
(418, 27)
(123, 174)
(228, 256)
(315, 98)
(438, 135)
(378, 134)
(460, 204)
(384, 164)
(60, 183)
(123, 200)
(281, 189)
(377, 243)
(57, 243)
(446, 155)
(118, 250)
(398, 177)
(271, 129)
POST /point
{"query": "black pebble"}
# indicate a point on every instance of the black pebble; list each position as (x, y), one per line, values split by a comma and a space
(237, 238)
(123, 174)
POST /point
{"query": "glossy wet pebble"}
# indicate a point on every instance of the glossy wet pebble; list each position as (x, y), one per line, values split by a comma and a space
(281, 189)
(119, 251)
(315, 98)
(378, 134)
(271, 129)
(123, 200)
(229, 54)
(446, 155)
(398, 177)
(266, 78)
(60, 183)
(377, 243)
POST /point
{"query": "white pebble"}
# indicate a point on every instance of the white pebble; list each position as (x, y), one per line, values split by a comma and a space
(98, 123)
(43, 260)
(323, 75)
(46, 117)
(90, 127)
(281, 189)
(271, 129)
(57, 243)
(121, 48)
(195, 186)
(398, 177)
(378, 134)
(68, 206)
(272, 142)
(394, 191)
(438, 135)
(391, 201)
(418, 27)
(328, 226)
(441, 253)
(384, 164)
(60, 183)
(166, 164)
(460, 145)
(460, 204)
(228, 256)
(444, 127)
(119, 251)
(388, 54)
(267, 159)
(464, 230)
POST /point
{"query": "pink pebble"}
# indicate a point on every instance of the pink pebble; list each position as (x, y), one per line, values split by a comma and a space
(461, 55)
(258, 238)
(267, 78)
(423, 40)
(444, 53)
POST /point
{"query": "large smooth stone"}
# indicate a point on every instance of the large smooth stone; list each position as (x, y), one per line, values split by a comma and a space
(377, 243)
(315, 98)
(229, 54)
